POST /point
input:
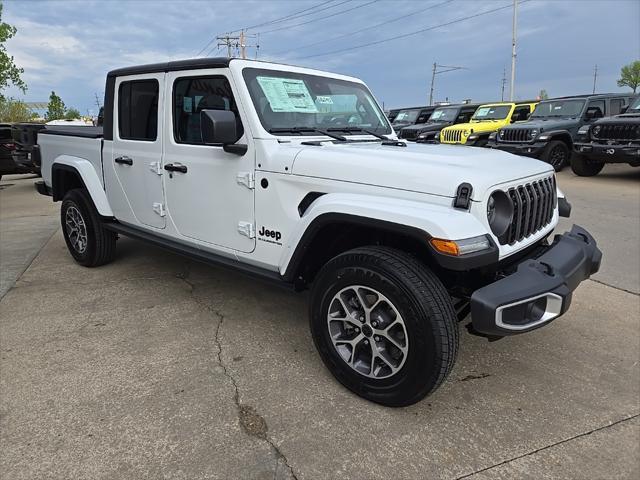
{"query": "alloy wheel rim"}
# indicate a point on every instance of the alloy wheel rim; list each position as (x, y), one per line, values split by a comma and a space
(76, 229)
(367, 332)
(557, 156)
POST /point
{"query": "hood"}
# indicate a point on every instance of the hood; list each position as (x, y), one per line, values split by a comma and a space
(632, 117)
(484, 126)
(430, 169)
(547, 124)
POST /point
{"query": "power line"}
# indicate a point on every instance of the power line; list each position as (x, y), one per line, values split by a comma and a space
(404, 35)
(320, 18)
(297, 15)
(291, 16)
(350, 34)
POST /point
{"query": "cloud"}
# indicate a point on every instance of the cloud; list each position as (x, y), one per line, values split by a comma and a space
(69, 46)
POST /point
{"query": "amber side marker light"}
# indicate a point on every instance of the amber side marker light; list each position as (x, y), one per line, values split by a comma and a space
(447, 247)
(457, 248)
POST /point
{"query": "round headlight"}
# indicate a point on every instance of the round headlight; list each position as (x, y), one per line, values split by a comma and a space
(501, 133)
(499, 212)
(596, 130)
(533, 133)
(465, 133)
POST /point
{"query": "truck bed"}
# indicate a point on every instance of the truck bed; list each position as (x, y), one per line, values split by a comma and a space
(84, 132)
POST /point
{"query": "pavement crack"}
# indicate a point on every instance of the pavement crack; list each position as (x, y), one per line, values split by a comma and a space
(614, 287)
(559, 442)
(251, 422)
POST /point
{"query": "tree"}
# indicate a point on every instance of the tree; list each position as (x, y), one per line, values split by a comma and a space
(543, 95)
(12, 111)
(630, 76)
(10, 74)
(55, 109)
(72, 114)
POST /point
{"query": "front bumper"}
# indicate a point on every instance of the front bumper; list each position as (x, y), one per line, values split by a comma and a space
(610, 153)
(525, 149)
(540, 289)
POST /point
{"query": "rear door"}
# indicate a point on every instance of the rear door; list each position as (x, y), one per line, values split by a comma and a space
(136, 157)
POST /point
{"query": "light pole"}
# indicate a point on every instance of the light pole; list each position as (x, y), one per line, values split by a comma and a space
(513, 50)
(435, 72)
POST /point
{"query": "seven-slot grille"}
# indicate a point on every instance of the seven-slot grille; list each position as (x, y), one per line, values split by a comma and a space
(409, 134)
(626, 132)
(515, 135)
(452, 135)
(533, 207)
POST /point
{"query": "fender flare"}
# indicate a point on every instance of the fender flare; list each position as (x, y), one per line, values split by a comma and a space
(415, 219)
(555, 134)
(89, 178)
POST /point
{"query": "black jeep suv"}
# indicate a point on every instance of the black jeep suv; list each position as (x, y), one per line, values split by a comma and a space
(443, 116)
(553, 126)
(409, 116)
(608, 140)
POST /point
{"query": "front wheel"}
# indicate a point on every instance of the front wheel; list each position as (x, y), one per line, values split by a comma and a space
(384, 325)
(89, 243)
(556, 154)
(583, 168)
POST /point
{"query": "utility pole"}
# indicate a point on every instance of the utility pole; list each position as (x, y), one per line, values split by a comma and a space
(237, 44)
(435, 72)
(504, 82)
(513, 50)
(595, 77)
(97, 101)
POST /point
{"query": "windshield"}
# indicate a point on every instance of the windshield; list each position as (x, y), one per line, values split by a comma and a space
(289, 100)
(406, 116)
(635, 105)
(558, 108)
(491, 113)
(444, 115)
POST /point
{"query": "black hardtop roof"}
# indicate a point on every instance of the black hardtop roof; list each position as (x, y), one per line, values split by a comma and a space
(190, 64)
(591, 95)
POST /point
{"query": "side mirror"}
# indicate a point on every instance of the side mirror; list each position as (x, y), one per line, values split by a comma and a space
(624, 109)
(589, 115)
(218, 127)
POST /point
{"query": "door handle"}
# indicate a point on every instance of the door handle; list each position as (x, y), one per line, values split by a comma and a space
(175, 167)
(124, 160)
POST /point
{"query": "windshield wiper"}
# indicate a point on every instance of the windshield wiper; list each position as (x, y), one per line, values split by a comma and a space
(358, 129)
(302, 130)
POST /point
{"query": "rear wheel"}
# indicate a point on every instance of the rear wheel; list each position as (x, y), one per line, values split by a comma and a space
(89, 243)
(584, 168)
(556, 153)
(384, 325)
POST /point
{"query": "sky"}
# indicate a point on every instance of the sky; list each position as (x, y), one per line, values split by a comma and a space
(69, 45)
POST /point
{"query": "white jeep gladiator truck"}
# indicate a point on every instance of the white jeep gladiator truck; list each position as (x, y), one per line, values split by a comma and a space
(295, 175)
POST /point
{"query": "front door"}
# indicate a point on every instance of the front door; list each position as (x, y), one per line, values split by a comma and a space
(136, 157)
(209, 192)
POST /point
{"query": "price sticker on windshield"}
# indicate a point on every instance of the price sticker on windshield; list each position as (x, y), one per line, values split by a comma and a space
(482, 112)
(287, 95)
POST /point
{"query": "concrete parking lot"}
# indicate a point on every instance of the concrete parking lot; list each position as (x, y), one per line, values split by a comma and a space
(157, 367)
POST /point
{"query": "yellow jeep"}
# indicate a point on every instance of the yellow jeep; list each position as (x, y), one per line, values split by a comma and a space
(487, 119)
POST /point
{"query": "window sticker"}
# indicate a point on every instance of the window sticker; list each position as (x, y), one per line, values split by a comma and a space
(287, 95)
(558, 107)
(187, 105)
(482, 112)
(437, 114)
(323, 99)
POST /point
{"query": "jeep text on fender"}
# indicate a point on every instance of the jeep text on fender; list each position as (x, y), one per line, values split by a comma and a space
(295, 175)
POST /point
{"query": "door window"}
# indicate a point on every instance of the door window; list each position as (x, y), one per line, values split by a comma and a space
(192, 95)
(597, 107)
(521, 113)
(138, 110)
(616, 105)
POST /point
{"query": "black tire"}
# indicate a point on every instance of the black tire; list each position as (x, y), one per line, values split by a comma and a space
(426, 310)
(100, 244)
(584, 168)
(556, 154)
